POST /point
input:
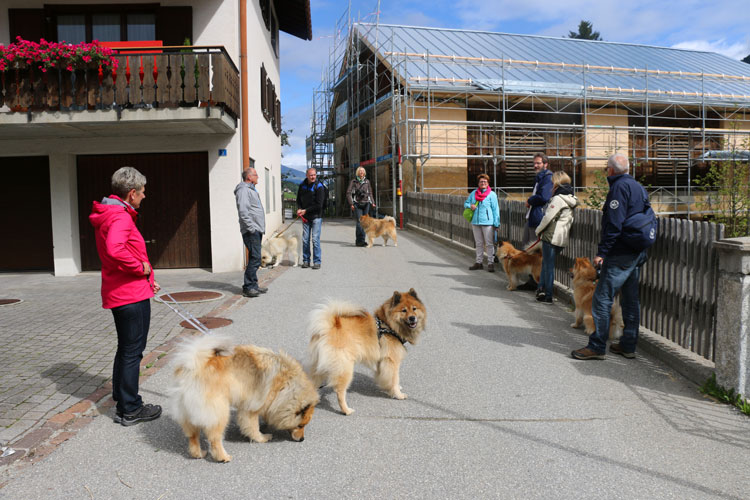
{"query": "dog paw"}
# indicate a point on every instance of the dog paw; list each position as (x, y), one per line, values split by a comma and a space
(574, 325)
(262, 438)
(224, 459)
(348, 411)
(197, 454)
(400, 395)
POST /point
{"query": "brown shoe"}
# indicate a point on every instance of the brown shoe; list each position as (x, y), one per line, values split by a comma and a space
(475, 267)
(491, 268)
(617, 349)
(587, 353)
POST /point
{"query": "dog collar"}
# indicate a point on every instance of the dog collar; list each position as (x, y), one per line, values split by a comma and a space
(384, 330)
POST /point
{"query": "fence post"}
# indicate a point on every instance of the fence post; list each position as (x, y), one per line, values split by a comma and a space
(733, 315)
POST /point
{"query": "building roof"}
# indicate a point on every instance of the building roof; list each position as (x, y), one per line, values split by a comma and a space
(526, 64)
(294, 18)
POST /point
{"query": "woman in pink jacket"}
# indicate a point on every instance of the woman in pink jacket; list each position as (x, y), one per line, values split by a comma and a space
(127, 287)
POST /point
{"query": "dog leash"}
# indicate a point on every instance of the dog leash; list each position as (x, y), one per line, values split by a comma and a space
(290, 225)
(183, 313)
(533, 245)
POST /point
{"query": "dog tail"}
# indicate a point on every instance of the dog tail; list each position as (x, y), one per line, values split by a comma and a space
(187, 391)
(323, 320)
(388, 218)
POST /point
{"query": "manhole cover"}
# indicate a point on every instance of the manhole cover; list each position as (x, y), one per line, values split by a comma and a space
(194, 296)
(8, 302)
(210, 322)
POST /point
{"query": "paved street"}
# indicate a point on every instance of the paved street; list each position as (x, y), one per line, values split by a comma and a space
(496, 407)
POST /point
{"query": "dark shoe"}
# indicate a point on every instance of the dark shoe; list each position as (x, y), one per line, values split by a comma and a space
(587, 353)
(475, 267)
(305, 265)
(491, 267)
(544, 299)
(361, 244)
(316, 266)
(617, 349)
(250, 293)
(144, 414)
(262, 289)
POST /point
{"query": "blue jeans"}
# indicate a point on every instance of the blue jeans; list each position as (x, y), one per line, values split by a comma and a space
(132, 322)
(313, 227)
(359, 211)
(252, 241)
(619, 272)
(547, 278)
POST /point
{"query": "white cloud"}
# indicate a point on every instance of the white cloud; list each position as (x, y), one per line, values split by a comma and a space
(733, 50)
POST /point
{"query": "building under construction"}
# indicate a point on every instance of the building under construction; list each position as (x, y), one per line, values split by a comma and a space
(428, 109)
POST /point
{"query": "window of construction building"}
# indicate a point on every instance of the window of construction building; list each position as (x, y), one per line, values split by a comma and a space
(364, 142)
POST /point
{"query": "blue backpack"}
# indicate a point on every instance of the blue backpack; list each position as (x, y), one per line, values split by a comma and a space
(639, 230)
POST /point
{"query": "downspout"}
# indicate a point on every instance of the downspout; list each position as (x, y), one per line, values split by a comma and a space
(243, 85)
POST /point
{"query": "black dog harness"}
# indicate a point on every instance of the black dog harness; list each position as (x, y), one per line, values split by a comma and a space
(383, 329)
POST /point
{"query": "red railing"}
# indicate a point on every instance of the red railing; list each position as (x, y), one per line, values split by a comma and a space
(174, 77)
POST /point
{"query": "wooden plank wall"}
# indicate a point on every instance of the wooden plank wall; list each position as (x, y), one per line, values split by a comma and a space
(678, 282)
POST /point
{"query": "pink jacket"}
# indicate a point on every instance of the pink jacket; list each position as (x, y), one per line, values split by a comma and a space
(122, 251)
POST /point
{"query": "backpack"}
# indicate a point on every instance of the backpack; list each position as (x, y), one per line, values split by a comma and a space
(639, 230)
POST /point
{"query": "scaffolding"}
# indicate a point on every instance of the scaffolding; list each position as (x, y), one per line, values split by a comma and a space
(397, 114)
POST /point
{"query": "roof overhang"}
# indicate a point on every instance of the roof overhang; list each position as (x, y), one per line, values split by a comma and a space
(294, 18)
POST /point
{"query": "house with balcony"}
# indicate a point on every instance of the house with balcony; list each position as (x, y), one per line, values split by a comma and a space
(194, 99)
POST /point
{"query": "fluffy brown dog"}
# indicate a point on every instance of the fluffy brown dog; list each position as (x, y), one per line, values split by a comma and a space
(584, 284)
(375, 228)
(344, 334)
(519, 263)
(211, 376)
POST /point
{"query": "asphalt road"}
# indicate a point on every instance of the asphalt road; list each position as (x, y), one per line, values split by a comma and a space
(497, 408)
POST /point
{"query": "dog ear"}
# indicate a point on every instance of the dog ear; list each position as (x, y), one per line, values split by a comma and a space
(413, 293)
(303, 410)
(395, 299)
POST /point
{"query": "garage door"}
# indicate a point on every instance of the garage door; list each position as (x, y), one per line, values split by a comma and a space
(174, 217)
(26, 215)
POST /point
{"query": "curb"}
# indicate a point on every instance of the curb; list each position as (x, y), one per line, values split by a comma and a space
(693, 367)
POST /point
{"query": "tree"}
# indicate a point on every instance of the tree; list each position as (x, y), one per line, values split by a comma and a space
(585, 32)
(285, 139)
(747, 59)
(728, 189)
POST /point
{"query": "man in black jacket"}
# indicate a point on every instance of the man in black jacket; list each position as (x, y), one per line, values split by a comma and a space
(310, 197)
(620, 264)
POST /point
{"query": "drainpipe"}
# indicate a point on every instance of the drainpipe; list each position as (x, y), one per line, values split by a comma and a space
(243, 85)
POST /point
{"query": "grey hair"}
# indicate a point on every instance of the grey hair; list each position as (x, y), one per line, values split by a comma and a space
(619, 163)
(246, 173)
(125, 179)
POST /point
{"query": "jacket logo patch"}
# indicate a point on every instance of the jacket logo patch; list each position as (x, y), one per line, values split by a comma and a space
(614, 204)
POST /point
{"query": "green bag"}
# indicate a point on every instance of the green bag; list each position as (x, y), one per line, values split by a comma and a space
(468, 214)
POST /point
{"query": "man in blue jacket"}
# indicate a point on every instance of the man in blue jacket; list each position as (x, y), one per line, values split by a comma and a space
(620, 264)
(535, 204)
(310, 200)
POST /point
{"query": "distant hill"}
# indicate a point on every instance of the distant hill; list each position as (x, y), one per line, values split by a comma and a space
(295, 176)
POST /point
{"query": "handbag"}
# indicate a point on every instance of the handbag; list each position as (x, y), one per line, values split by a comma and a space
(468, 214)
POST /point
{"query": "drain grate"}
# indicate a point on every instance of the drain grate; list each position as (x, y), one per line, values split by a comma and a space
(193, 296)
(210, 322)
(9, 302)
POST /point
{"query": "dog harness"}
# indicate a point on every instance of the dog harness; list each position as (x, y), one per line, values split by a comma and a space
(383, 329)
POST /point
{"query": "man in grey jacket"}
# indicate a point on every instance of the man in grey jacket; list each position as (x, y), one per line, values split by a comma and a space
(252, 227)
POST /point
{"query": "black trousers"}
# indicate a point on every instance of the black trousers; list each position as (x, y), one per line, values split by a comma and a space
(132, 322)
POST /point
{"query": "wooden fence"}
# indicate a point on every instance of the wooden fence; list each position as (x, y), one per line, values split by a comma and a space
(678, 283)
(185, 77)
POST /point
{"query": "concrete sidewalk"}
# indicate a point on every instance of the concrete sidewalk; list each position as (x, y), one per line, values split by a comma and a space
(496, 407)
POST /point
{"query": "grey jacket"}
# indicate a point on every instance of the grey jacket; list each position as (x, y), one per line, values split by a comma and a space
(359, 192)
(249, 208)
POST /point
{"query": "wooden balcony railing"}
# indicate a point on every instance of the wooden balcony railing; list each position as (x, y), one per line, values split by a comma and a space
(158, 77)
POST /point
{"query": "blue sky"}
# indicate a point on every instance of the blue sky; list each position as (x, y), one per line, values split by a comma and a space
(720, 25)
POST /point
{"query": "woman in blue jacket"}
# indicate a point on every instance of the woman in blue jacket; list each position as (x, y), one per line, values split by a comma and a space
(483, 201)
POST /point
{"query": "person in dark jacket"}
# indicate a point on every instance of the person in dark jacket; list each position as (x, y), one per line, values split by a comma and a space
(310, 199)
(620, 264)
(540, 196)
(359, 196)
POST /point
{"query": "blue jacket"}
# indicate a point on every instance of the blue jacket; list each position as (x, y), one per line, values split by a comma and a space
(626, 197)
(539, 199)
(487, 212)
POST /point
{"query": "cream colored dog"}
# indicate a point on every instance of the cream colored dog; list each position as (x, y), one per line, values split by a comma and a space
(273, 249)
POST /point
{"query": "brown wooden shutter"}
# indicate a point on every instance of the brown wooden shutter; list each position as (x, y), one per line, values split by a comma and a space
(174, 25)
(26, 23)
